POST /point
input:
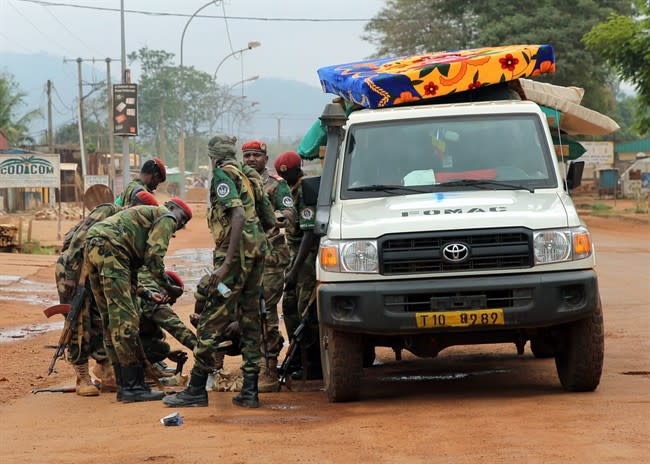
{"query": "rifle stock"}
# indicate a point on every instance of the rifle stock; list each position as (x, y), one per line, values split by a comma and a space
(70, 319)
(264, 327)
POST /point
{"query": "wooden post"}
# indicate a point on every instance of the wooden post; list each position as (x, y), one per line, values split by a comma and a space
(58, 221)
(29, 231)
(20, 233)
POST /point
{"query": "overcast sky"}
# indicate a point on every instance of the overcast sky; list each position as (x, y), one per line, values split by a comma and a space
(290, 49)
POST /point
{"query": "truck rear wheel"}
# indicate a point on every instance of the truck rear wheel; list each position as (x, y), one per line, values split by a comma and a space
(341, 356)
(579, 362)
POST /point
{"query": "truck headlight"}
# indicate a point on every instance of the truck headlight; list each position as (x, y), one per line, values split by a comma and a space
(552, 246)
(356, 256)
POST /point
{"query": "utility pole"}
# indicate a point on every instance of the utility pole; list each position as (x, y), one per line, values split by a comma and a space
(111, 137)
(126, 163)
(82, 147)
(50, 145)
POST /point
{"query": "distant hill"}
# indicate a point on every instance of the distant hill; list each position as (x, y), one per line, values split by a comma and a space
(285, 105)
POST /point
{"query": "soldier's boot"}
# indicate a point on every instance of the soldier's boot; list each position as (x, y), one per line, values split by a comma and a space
(134, 389)
(248, 395)
(104, 372)
(194, 395)
(268, 381)
(85, 386)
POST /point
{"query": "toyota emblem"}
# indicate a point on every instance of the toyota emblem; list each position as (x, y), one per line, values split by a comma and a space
(455, 253)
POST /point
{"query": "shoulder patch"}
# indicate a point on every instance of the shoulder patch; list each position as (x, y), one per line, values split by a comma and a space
(287, 201)
(276, 177)
(307, 214)
(223, 190)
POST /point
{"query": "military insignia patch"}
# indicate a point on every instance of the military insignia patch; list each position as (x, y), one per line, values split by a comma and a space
(223, 190)
(287, 201)
(307, 214)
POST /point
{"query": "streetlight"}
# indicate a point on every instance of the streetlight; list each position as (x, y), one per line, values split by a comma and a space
(252, 78)
(181, 138)
(252, 44)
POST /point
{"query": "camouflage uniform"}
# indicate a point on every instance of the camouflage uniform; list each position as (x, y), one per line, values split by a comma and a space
(127, 197)
(155, 317)
(277, 257)
(114, 249)
(87, 335)
(295, 300)
(231, 188)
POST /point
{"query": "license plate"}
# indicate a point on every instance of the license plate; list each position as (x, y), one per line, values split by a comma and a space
(478, 317)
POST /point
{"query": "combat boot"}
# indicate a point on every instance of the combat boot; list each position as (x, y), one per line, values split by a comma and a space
(268, 380)
(104, 372)
(134, 389)
(248, 395)
(194, 395)
(85, 386)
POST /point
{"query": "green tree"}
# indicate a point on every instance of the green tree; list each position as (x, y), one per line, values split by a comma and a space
(14, 127)
(400, 28)
(624, 41)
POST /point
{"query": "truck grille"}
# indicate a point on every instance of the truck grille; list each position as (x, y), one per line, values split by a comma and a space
(489, 249)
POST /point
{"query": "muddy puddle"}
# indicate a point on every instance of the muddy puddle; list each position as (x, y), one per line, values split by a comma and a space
(14, 334)
(18, 289)
(191, 264)
(446, 376)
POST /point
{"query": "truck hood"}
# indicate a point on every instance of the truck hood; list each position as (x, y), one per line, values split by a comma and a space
(373, 217)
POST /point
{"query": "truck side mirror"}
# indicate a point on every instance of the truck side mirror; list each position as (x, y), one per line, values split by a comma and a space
(310, 187)
(574, 175)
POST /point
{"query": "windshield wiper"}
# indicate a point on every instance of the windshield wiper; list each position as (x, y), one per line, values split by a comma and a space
(484, 183)
(388, 188)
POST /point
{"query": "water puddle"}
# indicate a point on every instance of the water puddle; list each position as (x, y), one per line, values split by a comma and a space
(449, 376)
(13, 334)
(190, 264)
(27, 291)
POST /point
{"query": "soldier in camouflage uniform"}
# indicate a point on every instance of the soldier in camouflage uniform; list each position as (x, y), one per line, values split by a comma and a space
(277, 257)
(157, 316)
(87, 338)
(300, 280)
(114, 249)
(152, 173)
(236, 197)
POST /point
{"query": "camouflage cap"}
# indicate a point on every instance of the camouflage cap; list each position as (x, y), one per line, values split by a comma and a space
(222, 146)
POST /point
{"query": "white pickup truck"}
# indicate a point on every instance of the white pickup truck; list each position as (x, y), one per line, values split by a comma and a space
(451, 224)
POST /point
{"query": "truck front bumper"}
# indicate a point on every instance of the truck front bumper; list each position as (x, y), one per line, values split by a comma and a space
(528, 301)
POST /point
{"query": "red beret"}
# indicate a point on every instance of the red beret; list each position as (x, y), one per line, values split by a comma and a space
(161, 168)
(182, 205)
(175, 278)
(287, 160)
(254, 146)
(145, 198)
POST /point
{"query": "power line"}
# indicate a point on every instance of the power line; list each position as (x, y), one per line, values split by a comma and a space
(35, 27)
(184, 15)
(69, 31)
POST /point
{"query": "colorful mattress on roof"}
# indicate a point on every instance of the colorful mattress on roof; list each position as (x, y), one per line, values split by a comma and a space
(389, 82)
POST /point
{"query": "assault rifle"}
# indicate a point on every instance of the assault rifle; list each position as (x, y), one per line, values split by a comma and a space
(264, 325)
(72, 312)
(295, 340)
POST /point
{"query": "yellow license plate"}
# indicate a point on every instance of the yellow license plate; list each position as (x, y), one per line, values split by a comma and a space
(478, 317)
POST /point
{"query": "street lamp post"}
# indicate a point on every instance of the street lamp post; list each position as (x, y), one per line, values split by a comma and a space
(252, 44)
(181, 138)
(252, 78)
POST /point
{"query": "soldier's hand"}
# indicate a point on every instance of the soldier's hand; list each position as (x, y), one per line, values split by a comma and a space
(159, 297)
(218, 275)
(70, 286)
(177, 356)
(194, 319)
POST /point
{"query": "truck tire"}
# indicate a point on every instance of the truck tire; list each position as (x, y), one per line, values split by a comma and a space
(342, 357)
(368, 355)
(580, 362)
(541, 348)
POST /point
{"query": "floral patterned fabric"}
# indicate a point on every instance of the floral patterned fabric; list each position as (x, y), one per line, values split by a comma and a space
(389, 82)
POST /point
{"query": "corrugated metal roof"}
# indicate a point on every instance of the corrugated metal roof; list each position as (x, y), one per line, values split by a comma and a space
(639, 145)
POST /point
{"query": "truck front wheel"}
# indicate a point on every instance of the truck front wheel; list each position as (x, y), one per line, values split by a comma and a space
(342, 357)
(579, 362)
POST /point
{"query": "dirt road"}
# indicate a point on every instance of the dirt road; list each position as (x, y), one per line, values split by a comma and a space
(470, 405)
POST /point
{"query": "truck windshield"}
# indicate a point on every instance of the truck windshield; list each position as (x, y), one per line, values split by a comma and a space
(462, 153)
